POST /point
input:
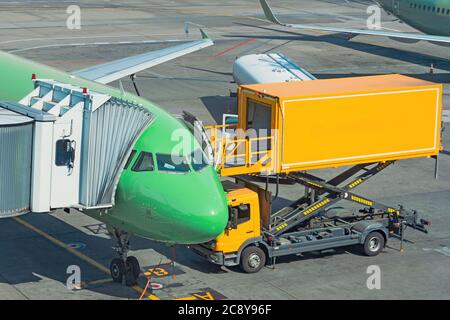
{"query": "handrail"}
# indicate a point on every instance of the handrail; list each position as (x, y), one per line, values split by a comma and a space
(236, 152)
(248, 152)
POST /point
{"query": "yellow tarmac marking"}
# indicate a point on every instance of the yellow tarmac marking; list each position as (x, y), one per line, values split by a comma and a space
(198, 296)
(100, 281)
(76, 253)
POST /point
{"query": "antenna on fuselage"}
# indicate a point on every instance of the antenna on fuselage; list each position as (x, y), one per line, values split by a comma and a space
(122, 91)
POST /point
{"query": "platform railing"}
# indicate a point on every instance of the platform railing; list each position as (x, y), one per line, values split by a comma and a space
(234, 155)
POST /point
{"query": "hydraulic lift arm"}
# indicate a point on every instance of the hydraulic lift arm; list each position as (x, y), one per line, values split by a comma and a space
(324, 194)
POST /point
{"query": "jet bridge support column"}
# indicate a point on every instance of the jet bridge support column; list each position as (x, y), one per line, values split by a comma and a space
(42, 167)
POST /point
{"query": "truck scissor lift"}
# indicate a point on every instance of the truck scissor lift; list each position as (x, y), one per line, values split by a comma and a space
(308, 224)
(364, 124)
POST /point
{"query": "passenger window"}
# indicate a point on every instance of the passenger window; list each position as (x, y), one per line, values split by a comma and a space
(143, 163)
(172, 163)
(130, 158)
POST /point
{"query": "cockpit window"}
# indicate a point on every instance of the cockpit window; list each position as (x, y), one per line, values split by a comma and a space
(130, 158)
(172, 163)
(144, 162)
(198, 160)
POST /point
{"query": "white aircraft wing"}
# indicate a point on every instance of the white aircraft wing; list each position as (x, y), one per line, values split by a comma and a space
(415, 36)
(446, 116)
(115, 70)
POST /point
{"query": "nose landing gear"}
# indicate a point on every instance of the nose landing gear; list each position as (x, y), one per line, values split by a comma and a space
(124, 269)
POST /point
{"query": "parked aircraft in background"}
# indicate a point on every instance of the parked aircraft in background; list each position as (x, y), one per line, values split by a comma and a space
(429, 16)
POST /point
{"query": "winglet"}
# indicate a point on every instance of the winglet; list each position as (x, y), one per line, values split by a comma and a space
(204, 34)
(269, 13)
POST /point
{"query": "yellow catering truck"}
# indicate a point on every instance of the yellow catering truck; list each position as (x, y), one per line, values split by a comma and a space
(295, 126)
(285, 129)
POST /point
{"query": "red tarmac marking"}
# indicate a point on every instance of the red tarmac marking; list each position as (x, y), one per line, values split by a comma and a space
(240, 44)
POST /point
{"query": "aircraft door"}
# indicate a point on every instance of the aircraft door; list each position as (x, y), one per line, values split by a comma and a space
(259, 125)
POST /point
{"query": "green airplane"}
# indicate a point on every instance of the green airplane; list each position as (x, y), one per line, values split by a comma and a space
(158, 198)
(432, 17)
(429, 16)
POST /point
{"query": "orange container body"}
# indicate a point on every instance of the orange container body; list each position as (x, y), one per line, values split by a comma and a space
(339, 122)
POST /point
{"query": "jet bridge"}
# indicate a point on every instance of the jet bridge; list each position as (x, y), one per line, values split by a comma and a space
(63, 146)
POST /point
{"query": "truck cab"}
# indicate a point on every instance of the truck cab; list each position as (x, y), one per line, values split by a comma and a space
(242, 235)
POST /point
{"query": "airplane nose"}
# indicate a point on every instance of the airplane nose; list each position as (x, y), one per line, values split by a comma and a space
(197, 214)
(209, 223)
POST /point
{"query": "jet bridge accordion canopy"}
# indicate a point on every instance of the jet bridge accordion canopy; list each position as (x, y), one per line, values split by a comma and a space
(15, 157)
(68, 149)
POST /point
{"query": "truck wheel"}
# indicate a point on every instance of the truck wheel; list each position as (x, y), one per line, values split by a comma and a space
(373, 244)
(252, 259)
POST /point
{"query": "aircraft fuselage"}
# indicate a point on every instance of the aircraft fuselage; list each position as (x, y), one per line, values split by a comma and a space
(182, 205)
(429, 16)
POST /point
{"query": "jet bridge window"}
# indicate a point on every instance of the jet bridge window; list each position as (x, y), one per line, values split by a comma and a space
(65, 153)
(144, 162)
(172, 163)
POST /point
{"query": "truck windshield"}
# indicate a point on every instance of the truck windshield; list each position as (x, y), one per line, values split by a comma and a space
(172, 163)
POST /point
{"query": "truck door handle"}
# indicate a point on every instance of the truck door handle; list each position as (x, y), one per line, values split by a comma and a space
(249, 231)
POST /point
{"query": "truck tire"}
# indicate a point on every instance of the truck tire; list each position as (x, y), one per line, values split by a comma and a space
(373, 244)
(252, 259)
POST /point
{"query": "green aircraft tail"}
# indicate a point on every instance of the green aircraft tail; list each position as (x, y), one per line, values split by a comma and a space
(268, 12)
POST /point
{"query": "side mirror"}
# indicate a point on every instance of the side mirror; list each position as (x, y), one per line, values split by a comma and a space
(232, 221)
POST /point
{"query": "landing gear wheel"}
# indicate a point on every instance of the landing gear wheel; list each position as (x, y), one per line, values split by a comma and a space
(373, 244)
(134, 264)
(124, 269)
(117, 269)
(130, 279)
(252, 259)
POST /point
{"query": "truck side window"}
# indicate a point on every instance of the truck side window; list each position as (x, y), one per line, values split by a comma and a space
(238, 215)
(130, 158)
(144, 162)
(243, 213)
